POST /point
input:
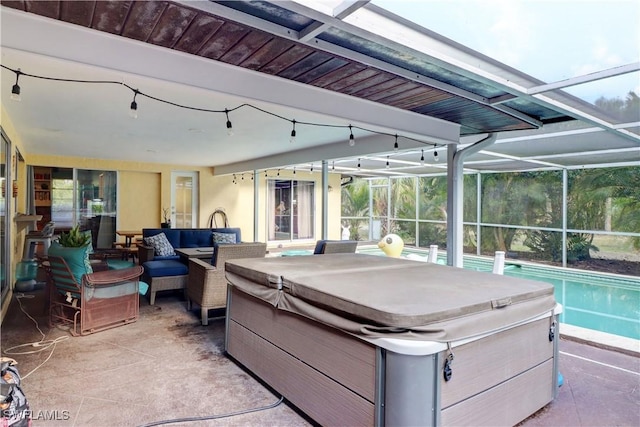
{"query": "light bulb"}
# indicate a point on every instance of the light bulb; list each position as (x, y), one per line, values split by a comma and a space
(387, 162)
(352, 140)
(15, 90)
(133, 111)
(395, 145)
(229, 125)
(293, 133)
(422, 157)
(435, 155)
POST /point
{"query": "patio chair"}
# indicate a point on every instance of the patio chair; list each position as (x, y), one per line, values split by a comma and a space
(207, 284)
(96, 302)
(335, 247)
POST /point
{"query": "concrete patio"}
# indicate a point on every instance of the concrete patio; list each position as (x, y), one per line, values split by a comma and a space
(167, 366)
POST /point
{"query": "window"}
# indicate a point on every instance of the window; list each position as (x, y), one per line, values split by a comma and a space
(62, 202)
(291, 209)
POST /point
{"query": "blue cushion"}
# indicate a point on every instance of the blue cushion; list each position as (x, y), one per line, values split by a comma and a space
(195, 238)
(143, 287)
(167, 258)
(319, 247)
(165, 268)
(76, 258)
(119, 264)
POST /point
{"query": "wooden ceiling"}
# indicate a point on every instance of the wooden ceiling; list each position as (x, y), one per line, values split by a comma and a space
(179, 27)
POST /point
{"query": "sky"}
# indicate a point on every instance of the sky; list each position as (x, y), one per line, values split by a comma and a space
(550, 40)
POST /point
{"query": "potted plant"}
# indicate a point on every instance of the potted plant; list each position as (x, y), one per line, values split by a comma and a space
(74, 238)
(167, 218)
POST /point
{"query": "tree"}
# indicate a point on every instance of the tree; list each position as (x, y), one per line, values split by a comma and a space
(355, 205)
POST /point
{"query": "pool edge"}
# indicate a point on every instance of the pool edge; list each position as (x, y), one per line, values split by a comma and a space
(600, 339)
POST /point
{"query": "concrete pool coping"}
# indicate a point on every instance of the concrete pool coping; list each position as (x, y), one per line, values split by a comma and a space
(603, 340)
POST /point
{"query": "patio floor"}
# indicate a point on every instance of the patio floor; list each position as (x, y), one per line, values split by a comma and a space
(167, 366)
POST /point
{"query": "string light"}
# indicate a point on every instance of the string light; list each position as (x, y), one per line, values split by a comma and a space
(311, 170)
(358, 164)
(435, 153)
(229, 125)
(387, 166)
(422, 157)
(293, 133)
(294, 170)
(133, 111)
(234, 178)
(15, 90)
(278, 172)
(333, 165)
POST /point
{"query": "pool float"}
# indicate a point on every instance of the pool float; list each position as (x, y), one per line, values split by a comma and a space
(391, 245)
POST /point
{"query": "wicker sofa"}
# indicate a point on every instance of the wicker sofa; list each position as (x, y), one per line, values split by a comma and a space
(207, 284)
(170, 272)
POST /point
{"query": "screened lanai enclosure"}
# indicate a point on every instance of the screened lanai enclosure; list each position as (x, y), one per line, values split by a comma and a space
(566, 217)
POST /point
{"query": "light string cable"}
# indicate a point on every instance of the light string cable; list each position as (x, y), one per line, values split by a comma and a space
(225, 111)
(36, 346)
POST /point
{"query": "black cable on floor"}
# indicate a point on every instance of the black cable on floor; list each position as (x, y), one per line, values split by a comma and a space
(213, 417)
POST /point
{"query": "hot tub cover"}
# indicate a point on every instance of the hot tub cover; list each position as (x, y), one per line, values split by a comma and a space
(374, 295)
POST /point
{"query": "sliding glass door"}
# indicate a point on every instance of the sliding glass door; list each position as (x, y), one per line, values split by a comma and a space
(96, 204)
(291, 209)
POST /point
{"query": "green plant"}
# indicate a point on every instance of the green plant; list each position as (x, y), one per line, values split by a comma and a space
(74, 238)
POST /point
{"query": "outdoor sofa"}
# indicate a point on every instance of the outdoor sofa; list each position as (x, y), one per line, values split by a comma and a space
(163, 268)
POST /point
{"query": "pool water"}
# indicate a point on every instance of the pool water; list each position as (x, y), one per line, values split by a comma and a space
(602, 302)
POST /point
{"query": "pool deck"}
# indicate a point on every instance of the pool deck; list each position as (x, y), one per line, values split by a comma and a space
(167, 366)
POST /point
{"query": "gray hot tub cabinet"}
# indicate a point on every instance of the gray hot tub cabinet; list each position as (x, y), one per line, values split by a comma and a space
(362, 340)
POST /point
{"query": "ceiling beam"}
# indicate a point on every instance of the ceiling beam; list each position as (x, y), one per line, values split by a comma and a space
(340, 12)
(374, 144)
(604, 74)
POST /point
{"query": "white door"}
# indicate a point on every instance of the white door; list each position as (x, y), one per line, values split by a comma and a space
(184, 199)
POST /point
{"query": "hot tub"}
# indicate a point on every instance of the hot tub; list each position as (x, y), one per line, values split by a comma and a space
(354, 339)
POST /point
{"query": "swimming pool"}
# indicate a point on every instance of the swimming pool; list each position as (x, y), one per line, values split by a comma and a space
(598, 301)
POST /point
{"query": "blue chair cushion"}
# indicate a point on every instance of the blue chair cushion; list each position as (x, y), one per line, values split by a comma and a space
(165, 268)
(76, 258)
(319, 247)
(167, 258)
(119, 264)
(196, 238)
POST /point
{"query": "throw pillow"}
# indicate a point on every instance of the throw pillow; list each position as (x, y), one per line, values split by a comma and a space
(76, 258)
(223, 237)
(160, 245)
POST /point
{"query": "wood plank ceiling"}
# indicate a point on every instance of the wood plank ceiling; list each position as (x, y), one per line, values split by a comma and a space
(176, 26)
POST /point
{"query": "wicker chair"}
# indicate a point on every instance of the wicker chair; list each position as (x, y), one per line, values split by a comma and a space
(335, 247)
(102, 300)
(207, 284)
